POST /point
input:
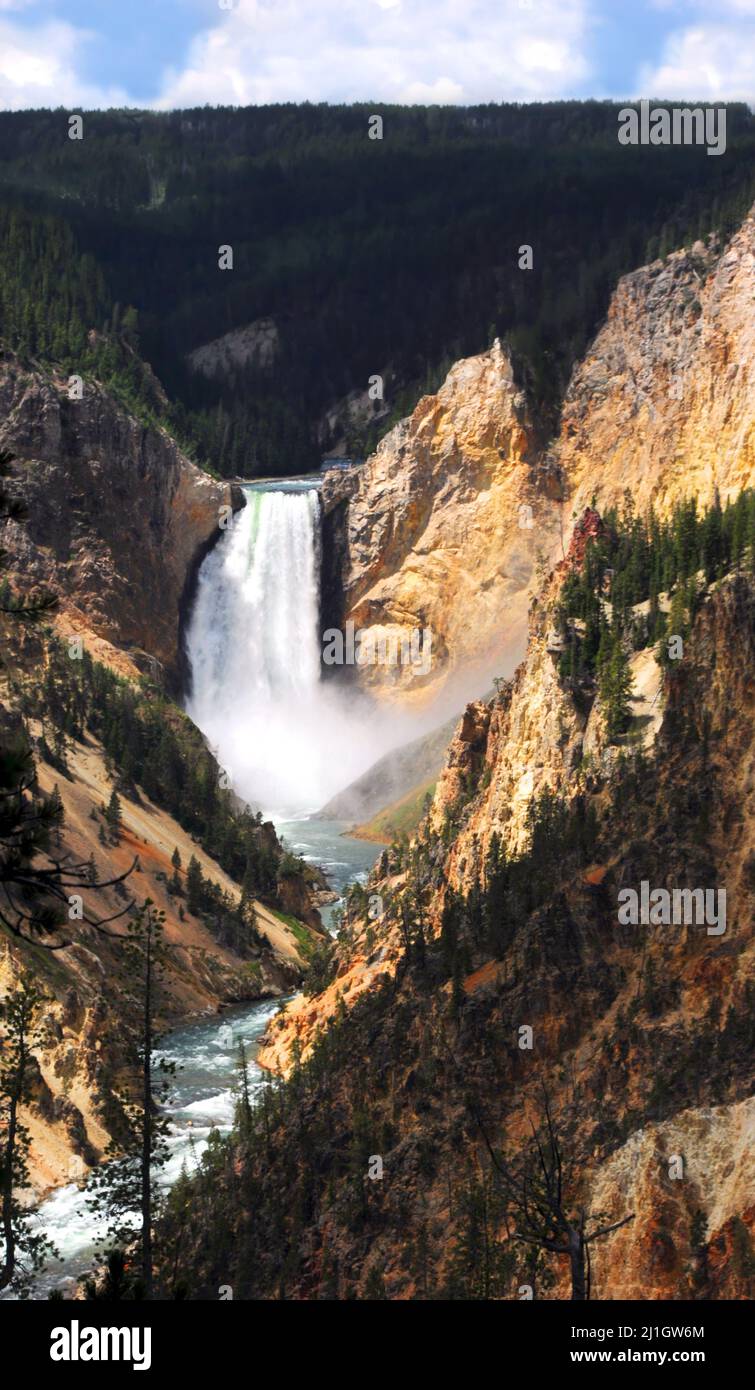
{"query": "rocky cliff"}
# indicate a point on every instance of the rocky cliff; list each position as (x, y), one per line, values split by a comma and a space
(118, 517)
(441, 529)
(82, 1083)
(640, 1036)
(534, 737)
(664, 402)
(442, 526)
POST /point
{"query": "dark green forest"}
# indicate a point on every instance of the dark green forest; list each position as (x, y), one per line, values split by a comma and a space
(393, 256)
(630, 561)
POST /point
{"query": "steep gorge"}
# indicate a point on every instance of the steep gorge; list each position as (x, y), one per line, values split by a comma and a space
(116, 523)
(643, 1042)
(642, 1038)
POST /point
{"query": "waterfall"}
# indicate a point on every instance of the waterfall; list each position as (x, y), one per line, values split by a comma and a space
(286, 740)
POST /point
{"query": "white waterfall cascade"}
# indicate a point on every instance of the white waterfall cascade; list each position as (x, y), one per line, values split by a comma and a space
(286, 739)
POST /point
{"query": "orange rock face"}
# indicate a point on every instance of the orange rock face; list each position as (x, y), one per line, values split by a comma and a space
(444, 529)
(451, 519)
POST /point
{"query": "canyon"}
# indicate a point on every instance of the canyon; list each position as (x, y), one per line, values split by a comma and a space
(116, 524)
(637, 1071)
(660, 1079)
(465, 523)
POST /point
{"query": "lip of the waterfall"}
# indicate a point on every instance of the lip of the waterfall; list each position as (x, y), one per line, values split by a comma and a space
(306, 482)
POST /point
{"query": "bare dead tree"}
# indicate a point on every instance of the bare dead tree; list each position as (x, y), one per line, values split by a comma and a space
(539, 1194)
(539, 1203)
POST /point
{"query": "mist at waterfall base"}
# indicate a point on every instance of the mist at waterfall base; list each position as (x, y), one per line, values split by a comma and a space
(286, 739)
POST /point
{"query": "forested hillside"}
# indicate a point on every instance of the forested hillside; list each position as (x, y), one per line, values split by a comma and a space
(497, 1021)
(388, 256)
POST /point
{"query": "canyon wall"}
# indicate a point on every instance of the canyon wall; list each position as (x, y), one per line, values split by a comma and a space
(442, 527)
(663, 403)
(118, 517)
(640, 1036)
(435, 530)
(85, 1068)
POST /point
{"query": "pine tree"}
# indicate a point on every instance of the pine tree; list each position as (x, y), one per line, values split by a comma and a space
(615, 688)
(123, 1189)
(449, 932)
(175, 882)
(244, 1111)
(677, 627)
(115, 1284)
(712, 540)
(195, 888)
(36, 877)
(113, 815)
(22, 1250)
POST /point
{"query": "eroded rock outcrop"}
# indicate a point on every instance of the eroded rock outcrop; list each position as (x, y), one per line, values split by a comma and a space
(664, 402)
(443, 527)
(434, 530)
(118, 517)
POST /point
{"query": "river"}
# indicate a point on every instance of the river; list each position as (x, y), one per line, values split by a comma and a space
(288, 741)
(205, 1051)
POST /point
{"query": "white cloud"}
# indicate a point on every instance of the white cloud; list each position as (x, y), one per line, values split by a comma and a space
(428, 51)
(443, 92)
(746, 7)
(38, 68)
(425, 51)
(714, 62)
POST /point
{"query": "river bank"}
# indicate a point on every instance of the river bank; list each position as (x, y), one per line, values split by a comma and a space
(205, 1051)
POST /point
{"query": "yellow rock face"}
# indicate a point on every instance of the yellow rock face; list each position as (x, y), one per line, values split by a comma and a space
(664, 402)
(451, 513)
(445, 527)
(641, 1261)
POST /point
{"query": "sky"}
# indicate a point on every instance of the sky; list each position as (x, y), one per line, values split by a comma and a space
(174, 53)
